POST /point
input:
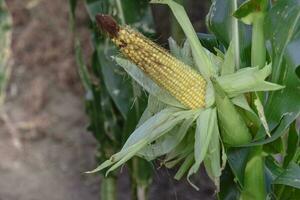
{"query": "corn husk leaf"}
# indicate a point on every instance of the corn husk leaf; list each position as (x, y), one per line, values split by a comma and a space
(188, 162)
(233, 128)
(241, 102)
(151, 130)
(228, 65)
(181, 151)
(184, 54)
(212, 160)
(210, 94)
(150, 86)
(204, 130)
(261, 114)
(160, 123)
(200, 57)
(248, 79)
(153, 107)
(168, 142)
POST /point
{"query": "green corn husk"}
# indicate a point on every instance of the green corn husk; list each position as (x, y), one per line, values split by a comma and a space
(233, 128)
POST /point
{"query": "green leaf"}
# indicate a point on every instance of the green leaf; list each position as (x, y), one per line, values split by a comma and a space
(5, 42)
(161, 122)
(254, 186)
(210, 42)
(248, 112)
(290, 176)
(82, 68)
(226, 28)
(261, 114)
(228, 66)
(278, 131)
(248, 79)
(153, 107)
(272, 167)
(274, 147)
(293, 144)
(181, 151)
(188, 162)
(228, 187)
(237, 159)
(249, 7)
(184, 54)
(282, 31)
(139, 15)
(200, 57)
(212, 160)
(168, 142)
(97, 6)
(73, 5)
(139, 11)
(135, 112)
(204, 130)
(232, 126)
(151, 130)
(100, 108)
(288, 193)
(119, 88)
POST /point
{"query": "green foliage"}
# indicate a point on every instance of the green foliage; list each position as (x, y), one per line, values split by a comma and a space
(284, 17)
(5, 40)
(281, 27)
(221, 23)
(114, 102)
(248, 117)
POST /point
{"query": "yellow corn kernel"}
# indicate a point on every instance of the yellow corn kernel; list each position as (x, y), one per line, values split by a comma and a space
(180, 80)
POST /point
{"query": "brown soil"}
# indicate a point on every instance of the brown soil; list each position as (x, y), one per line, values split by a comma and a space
(44, 145)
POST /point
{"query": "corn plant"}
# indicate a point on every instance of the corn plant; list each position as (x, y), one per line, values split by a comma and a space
(5, 39)
(224, 100)
(114, 103)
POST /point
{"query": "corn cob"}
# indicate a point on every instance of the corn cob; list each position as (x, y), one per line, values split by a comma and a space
(180, 80)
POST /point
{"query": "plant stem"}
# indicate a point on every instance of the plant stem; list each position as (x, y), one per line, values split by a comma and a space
(108, 188)
(254, 179)
(120, 11)
(236, 36)
(258, 50)
(142, 192)
(140, 178)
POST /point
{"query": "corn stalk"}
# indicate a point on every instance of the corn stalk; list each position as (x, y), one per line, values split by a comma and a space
(109, 100)
(5, 40)
(206, 105)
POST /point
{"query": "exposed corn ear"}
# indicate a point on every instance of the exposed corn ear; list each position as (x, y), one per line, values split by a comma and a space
(180, 80)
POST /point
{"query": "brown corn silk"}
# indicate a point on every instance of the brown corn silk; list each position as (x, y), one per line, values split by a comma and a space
(180, 80)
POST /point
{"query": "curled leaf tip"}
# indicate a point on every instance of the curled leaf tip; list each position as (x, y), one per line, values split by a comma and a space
(92, 171)
(107, 24)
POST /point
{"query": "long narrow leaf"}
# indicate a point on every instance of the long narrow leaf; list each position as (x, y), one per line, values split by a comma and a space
(204, 131)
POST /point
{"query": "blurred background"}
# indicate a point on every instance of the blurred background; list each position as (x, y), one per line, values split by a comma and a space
(44, 144)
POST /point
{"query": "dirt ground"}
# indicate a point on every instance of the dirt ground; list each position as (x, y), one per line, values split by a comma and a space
(44, 145)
